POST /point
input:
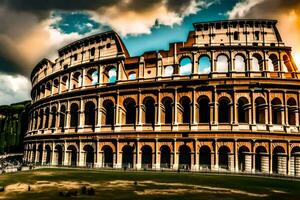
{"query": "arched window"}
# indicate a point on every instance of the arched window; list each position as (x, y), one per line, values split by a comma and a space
(243, 110)
(89, 155)
(184, 157)
(185, 103)
(222, 64)
(92, 77)
(74, 116)
(58, 155)
(292, 110)
(62, 117)
(48, 154)
(205, 157)
(132, 76)
(257, 63)
(107, 156)
(185, 66)
(64, 83)
(54, 113)
(127, 156)
(204, 110)
(260, 152)
(168, 70)
(55, 86)
(130, 107)
(165, 157)
(109, 112)
(41, 124)
(89, 111)
(277, 152)
(168, 111)
(149, 104)
(204, 65)
(112, 75)
(146, 157)
(72, 153)
(224, 152)
(47, 113)
(77, 79)
(273, 63)
(239, 63)
(48, 89)
(276, 111)
(260, 107)
(224, 110)
(243, 150)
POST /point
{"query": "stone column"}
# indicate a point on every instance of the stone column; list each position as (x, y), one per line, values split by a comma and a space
(80, 155)
(157, 156)
(175, 107)
(118, 154)
(196, 168)
(98, 160)
(176, 160)
(158, 114)
(53, 161)
(138, 156)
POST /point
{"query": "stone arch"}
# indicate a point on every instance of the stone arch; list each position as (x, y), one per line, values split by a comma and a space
(224, 110)
(110, 74)
(261, 159)
(58, 151)
(185, 157)
(48, 154)
(127, 156)
(130, 110)
(257, 62)
(165, 156)
(276, 106)
(224, 152)
(90, 114)
(240, 62)
(295, 161)
(132, 75)
(108, 154)
(54, 115)
(64, 83)
(55, 86)
(109, 112)
(47, 117)
(74, 109)
(48, 88)
(92, 77)
(185, 66)
(41, 119)
(244, 159)
(273, 62)
(149, 110)
(76, 80)
(260, 110)
(169, 70)
(204, 64)
(147, 156)
(204, 109)
(167, 110)
(243, 110)
(279, 160)
(62, 117)
(222, 63)
(40, 152)
(89, 155)
(205, 157)
(292, 110)
(185, 109)
(72, 152)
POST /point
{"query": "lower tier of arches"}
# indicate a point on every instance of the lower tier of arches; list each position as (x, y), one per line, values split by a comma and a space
(249, 156)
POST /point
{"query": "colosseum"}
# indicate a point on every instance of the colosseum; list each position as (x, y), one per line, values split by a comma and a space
(227, 99)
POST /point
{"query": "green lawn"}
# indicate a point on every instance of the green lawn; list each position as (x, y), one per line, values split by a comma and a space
(46, 184)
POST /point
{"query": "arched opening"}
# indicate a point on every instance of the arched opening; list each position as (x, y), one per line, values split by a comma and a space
(167, 110)
(36, 118)
(184, 157)
(110, 74)
(55, 86)
(204, 109)
(72, 152)
(54, 113)
(260, 110)
(149, 104)
(107, 156)
(185, 66)
(222, 64)
(41, 116)
(295, 161)
(109, 108)
(132, 76)
(257, 63)
(146, 157)
(92, 77)
(64, 83)
(130, 108)
(224, 152)
(204, 65)
(59, 155)
(89, 155)
(77, 80)
(47, 113)
(40, 154)
(48, 154)
(243, 110)
(292, 110)
(62, 118)
(127, 156)
(288, 66)
(205, 157)
(224, 110)
(89, 112)
(168, 71)
(277, 152)
(74, 116)
(260, 152)
(165, 157)
(185, 103)
(48, 89)
(276, 111)
(239, 63)
(243, 151)
(273, 63)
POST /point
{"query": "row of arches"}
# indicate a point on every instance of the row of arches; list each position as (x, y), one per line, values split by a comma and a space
(225, 158)
(204, 107)
(222, 64)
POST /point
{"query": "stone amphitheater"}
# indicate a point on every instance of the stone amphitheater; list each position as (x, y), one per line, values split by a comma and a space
(227, 99)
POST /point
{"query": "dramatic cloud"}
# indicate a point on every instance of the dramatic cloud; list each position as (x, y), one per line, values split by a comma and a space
(286, 11)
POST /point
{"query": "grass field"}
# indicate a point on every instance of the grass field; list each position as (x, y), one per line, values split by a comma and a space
(111, 185)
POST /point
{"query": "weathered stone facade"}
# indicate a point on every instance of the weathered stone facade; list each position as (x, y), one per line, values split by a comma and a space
(226, 99)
